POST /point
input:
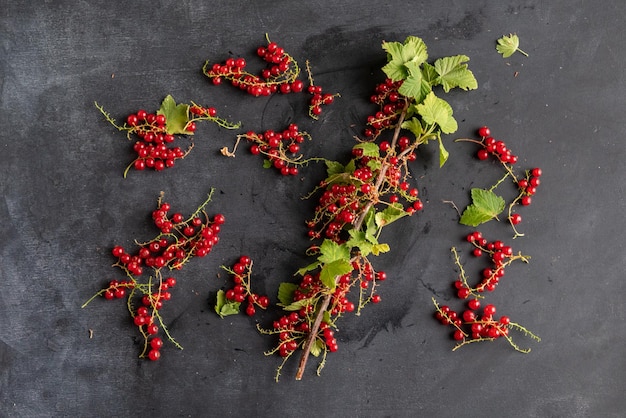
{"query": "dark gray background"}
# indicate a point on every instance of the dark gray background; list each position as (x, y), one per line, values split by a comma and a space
(65, 204)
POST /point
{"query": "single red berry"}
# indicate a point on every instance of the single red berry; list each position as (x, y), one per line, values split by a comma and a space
(154, 355)
(484, 131)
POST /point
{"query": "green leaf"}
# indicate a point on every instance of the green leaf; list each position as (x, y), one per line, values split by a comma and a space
(267, 164)
(453, 72)
(316, 347)
(297, 305)
(429, 74)
(370, 149)
(225, 307)
(359, 239)
(412, 85)
(331, 270)
(333, 167)
(390, 214)
(414, 126)
(308, 268)
(378, 249)
(176, 116)
(437, 111)
(508, 45)
(443, 153)
(331, 251)
(285, 293)
(404, 57)
(485, 206)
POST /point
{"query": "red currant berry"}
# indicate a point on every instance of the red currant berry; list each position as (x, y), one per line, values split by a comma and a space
(484, 131)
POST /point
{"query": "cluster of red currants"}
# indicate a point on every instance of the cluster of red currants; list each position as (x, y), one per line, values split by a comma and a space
(178, 241)
(282, 148)
(472, 326)
(280, 75)
(242, 290)
(377, 177)
(153, 148)
(469, 326)
(497, 148)
(390, 103)
(527, 186)
(500, 255)
(294, 327)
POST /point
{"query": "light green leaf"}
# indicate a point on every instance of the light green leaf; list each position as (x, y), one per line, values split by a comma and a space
(332, 270)
(443, 153)
(225, 307)
(285, 293)
(485, 206)
(267, 164)
(359, 239)
(370, 149)
(176, 116)
(404, 57)
(297, 305)
(308, 268)
(437, 111)
(316, 347)
(331, 251)
(508, 45)
(414, 126)
(412, 85)
(453, 72)
(378, 249)
(390, 214)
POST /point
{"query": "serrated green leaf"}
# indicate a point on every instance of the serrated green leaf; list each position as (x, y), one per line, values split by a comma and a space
(332, 270)
(434, 110)
(402, 58)
(176, 116)
(414, 126)
(331, 251)
(297, 305)
(485, 206)
(359, 239)
(224, 307)
(285, 293)
(412, 85)
(453, 72)
(316, 347)
(267, 164)
(390, 214)
(378, 249)
(443, 153)
(333, 167)
(429, 74)
(508, 45)
(370, 149)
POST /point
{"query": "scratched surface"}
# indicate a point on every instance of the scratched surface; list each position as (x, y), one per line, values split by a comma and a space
(65, 204)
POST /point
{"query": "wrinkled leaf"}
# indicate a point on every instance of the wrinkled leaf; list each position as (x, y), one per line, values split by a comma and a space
(437, 111)
(176, 116)
(453, 72)
(225, 307)
(485, 206)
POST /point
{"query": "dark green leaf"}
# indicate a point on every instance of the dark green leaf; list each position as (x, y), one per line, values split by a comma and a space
(285, 293)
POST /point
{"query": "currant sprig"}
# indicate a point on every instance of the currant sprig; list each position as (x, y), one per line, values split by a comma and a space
(281, 149)
(146, 285)
(359, 198)
(154, 133)
(229, 301)
(280, 75)
(486, 205)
